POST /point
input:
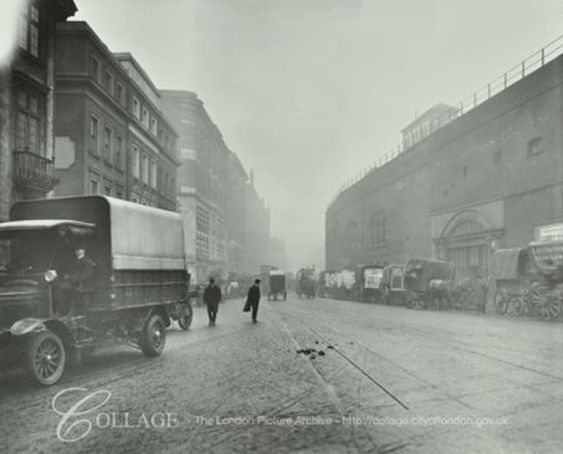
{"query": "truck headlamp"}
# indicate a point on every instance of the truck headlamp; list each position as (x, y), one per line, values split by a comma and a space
(50, 275)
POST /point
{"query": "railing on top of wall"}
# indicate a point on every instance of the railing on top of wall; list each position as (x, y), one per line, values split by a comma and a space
(509, 77)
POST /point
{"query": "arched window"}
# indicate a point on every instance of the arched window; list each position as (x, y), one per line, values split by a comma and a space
(466, 228)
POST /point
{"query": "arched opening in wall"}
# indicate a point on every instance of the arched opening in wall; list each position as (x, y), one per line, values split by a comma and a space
(466, 242)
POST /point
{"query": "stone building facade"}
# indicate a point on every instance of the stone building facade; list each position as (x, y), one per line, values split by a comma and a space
(224, 217)
(27, 91)
(111, 137)
(491, 177)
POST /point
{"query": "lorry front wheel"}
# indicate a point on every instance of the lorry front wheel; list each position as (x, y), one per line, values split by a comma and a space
(153, 336)
(185, 319)
(45, 358)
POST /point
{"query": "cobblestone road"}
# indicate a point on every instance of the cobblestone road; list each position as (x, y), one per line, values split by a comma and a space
(311, 376)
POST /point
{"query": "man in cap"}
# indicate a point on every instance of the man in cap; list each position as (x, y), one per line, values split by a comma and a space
(211, 297)
(253, 299)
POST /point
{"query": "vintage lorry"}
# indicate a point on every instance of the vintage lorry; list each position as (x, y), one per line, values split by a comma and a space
(138, 286)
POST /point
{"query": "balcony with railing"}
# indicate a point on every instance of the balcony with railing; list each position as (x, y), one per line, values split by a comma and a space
(33, 171)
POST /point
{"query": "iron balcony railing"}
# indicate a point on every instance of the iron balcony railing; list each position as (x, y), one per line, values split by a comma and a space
(508, 78)
(33, 169)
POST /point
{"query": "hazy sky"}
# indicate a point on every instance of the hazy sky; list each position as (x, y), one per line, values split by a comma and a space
(308, 92)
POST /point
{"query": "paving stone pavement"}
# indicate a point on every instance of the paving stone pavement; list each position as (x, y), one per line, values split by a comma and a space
(312, 376)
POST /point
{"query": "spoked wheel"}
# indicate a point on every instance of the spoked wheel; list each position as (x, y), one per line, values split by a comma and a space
(517, 304)
(153, 337)
(185, 320)
(417, 303)
(548, 306)
(46, 358)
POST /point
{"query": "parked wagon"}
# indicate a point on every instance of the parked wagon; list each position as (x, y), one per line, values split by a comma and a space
(428, 283)
(277, 285)
(392, 284)
(510, 271)
(367, 283)
(546, 295)
(305, 285)
(139, 286)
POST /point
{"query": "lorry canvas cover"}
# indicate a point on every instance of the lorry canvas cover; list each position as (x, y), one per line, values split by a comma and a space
(129, 236)
(348, 279)
(132, 224)
(505, 263)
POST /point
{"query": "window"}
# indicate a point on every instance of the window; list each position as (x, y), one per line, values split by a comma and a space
(378, 229)
(27, 123)
(94, 133)
(93, 186)
(107, 190)
(135, 164)
(154, 125)
(119, 194)
(535, 146)
(95, 68)
(145, 168)
(108, 134)
(28, 30)
(119, 152)
(120, 94)
(145, 117)
(136, 108)
(153, 174)
(108, 82)
(165, 189)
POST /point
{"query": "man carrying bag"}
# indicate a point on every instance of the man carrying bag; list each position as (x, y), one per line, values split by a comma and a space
(252, 300)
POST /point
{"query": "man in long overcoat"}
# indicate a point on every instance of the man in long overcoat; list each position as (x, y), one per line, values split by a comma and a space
(253, 298)
(211, 297)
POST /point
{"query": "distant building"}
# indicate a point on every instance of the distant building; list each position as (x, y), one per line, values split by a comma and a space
(111, 137)
(432, 120)
(492, 177)
(27, 105)
(202, 183)
(224, 217)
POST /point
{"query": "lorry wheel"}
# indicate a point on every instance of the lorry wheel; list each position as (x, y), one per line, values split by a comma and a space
(185, 320)
(45, 358)
(153, 337)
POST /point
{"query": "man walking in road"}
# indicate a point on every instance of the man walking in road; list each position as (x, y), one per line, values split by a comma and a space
(253, 299)
(211, 297)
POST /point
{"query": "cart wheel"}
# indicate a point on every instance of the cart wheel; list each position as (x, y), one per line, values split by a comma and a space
(518, 305)
(416, 303)
(548, 306)
(185, 320)
(153, 337)
(46, 358)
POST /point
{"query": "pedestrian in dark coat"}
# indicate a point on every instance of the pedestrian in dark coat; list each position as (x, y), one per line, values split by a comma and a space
(211, 297)
(253, 298)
